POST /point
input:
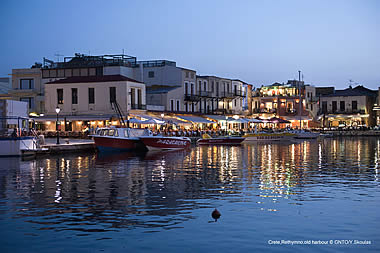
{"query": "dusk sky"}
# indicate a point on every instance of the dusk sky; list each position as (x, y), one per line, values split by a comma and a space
(259, 42)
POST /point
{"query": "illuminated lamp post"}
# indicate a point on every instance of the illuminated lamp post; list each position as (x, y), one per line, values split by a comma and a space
(57, 110)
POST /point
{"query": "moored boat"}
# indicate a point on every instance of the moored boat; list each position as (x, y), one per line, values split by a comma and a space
(263, 136)
(302, 134)
(18, 146)
(119, 139)
(223, 140)
(165, 143)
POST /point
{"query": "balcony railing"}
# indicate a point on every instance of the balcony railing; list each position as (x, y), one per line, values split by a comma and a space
(344, 112)
(227, 94)
(138, 107)
(206, 94)
(192, 97)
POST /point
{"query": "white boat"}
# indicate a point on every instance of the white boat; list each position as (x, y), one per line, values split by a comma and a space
(304, 134)
(18, 146)
(267, 137)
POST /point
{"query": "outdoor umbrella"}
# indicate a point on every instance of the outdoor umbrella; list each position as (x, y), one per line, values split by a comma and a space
(278, 120)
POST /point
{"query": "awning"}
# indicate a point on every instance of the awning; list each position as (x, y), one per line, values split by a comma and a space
(254, 120)
(217, 117)
(278, 120)
(297, 117)
(195, 119)
(75, 117)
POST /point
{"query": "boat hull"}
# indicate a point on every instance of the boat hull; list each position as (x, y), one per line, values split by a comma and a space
(18, 146)
(165, 143)
(221, 141)
(111, 144)
(268, 137)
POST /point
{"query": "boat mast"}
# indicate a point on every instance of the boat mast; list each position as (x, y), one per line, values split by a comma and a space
(299, 93)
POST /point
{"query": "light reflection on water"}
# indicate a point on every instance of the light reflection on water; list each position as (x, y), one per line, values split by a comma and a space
(325, 189)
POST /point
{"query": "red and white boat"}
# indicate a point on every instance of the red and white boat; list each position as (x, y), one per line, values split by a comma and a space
(225, 140)
(119, 139)
(165, 143)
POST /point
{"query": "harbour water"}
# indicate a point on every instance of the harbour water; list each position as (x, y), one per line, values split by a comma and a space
(308, 196)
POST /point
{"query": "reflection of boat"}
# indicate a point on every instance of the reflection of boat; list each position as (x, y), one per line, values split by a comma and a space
(302, 134)
(165, 143)
(224, 140)
(18, 146)
(263, 136)
(119, 139)
(165, 154)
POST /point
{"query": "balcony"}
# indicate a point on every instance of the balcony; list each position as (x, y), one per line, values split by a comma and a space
(345, 112)
(205, 94)
(239, 93)
(227, 95)
(138, 107)
(192, 97)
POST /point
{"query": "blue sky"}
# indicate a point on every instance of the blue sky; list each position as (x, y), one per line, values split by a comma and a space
(260, 42)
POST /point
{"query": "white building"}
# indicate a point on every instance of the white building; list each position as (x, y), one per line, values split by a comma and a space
(91, 98)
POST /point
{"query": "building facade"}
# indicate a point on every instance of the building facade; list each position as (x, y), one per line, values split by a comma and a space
(93, 99)
(293, 101)
(351, 107)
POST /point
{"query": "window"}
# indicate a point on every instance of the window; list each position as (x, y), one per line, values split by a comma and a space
(354, 105)
(139, 98)
(178, 108)
(204, 86)
(112, 94)
(74, 96)
(151, 74)
(192, 107)
(192, 75)
(187, 74)
(29, 100)
(235, 101)
(212, 86)
(171, 105)
(186, 88)
(334, 106)
(186, 107)
(199, 86)
(342, 106)
(59, 96)
(26, 84)
(91, 95)
(192, 89)
(324, 106)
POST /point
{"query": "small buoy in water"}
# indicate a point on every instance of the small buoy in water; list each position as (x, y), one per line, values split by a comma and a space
(215, 214)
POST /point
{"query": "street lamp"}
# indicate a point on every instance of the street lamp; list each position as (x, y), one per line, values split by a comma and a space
(57, 110)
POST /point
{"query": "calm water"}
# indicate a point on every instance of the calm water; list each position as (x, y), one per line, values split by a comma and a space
(162, 202)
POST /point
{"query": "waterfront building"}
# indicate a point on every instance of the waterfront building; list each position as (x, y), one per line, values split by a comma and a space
(218, 95)
(351, 107)
(376, 108)
(283, 100)
(91, 100)
(28, 84)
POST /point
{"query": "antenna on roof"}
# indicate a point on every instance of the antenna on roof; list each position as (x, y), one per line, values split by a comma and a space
(58, 56)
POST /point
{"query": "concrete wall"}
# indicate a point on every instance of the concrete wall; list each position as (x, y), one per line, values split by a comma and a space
(165, 75)
(120, 70)
(102, 97)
